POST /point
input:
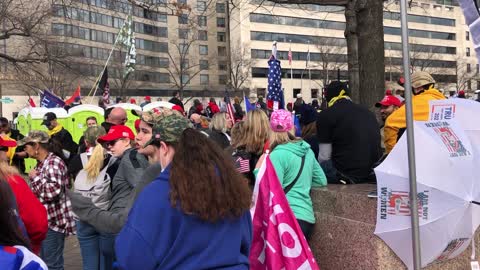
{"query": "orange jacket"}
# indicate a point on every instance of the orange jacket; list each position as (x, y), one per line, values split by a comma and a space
(396, 122)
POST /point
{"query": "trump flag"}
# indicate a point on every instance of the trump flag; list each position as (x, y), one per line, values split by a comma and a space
(278, 241)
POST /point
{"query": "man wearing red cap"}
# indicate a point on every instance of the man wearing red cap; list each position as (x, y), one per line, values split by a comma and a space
(148, 99)
(387, 106)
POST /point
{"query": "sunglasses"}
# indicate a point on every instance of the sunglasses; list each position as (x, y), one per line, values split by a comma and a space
(110, 143)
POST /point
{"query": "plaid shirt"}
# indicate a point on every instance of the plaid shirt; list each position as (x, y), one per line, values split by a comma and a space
(49, 187)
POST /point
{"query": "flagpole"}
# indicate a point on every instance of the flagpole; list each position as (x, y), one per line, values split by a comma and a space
(308, 67)
(106, 64)
(291, 66)
(417, 259)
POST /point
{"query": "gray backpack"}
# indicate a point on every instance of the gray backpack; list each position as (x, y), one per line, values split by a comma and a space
(97, 189)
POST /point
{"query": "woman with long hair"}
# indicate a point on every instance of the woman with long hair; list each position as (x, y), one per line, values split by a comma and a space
(93, 181)
(14, 244)
(296, 166)
(250, 141)
(195, 214)
(49, 180)
(31, 211)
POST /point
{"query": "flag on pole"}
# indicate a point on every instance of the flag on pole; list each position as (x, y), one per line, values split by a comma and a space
(275, 92)
(126, 38)
(73, 97)
(50, 100)
(472, 19)
(248, 106)
(229, 106)
(290, 56)
(31, 102)
(274, 222)
(105, 87)
(308, 58)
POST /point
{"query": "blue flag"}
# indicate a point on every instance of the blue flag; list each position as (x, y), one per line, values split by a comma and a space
(248, 106)
(296, 123)
(50, 100)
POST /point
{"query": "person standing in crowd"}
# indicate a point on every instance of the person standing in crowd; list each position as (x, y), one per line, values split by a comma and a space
(16, 155)
(133, 101)
(31, 211)
(387, 106)
(176, 100)
(14, 246)
(461, 94)
(298, 105)
(118, 141)
(309, 127)
(349, 138)
(49, 181)
(252, 145)
(91, 121)
(197, 108)
(261, 104)
(220, 129)
(423, 88)
(238, 110)
(60, 134)
(212, 108)
(211, 217)
(114, 116)
(146, 101)
(93, 181)
(316, 106)
(296, 167)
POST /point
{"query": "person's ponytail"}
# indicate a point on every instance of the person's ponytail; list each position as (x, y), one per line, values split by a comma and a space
(95, 162)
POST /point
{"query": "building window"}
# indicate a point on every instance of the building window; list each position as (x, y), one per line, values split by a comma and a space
(222, 79)
(478, 68)
(184, 64)
(202, 21)
(201, 6)
(203, 64)
(221, 37)
(202, 35)
(203, 79)
(468, 52)
(220, 22)
(203, 49)
(469, 84)
(183, 33)
(183, 48)
(220, 7)
(469, 68)
(185, 79)
(478, 84)
(222, 65)
(183, 19)
(314, 93)
(222, 51)
(467, 35)
(296, 91)
(183, 2)
(261, 92)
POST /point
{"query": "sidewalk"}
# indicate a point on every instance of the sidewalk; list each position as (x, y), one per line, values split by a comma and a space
(71, 254)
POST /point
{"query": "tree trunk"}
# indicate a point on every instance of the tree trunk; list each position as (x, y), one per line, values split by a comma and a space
(352, 50)
(371, 53)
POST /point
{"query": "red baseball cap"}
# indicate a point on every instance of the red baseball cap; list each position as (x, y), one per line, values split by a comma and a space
(389, 100)
(7, 143)
(117, 132)
(148, 98)
(177, 108)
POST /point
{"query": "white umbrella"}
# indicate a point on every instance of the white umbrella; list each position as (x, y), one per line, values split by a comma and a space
(447, 189)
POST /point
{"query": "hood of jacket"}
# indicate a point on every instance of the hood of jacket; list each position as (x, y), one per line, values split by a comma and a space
(433, 93)
(299, 148)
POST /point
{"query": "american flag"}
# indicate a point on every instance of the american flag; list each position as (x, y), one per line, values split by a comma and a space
(229, 106)
(242, 165)
(105, 87)
(290, 56)
(275, 92)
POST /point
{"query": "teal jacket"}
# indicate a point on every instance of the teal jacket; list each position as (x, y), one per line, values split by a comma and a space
(287, 159)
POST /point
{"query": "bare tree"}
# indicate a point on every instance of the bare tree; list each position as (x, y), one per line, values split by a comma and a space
(465, 75)
(240, 67)
(332, 57)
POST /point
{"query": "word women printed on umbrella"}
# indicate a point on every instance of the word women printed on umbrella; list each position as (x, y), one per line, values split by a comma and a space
(450, 139)
(397, 203)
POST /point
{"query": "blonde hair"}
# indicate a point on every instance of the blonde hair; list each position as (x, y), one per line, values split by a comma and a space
(277, 138)
(219, 122)
(95, 163)
(7, 171)
(238, 134)
(257, 131)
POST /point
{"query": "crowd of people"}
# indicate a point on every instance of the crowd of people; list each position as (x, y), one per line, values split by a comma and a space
(177, 194)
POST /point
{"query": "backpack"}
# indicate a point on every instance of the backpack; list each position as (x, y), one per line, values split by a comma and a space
(98, 190)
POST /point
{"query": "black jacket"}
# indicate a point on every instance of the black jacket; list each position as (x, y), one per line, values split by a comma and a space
(66, 141)
(177, 101)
